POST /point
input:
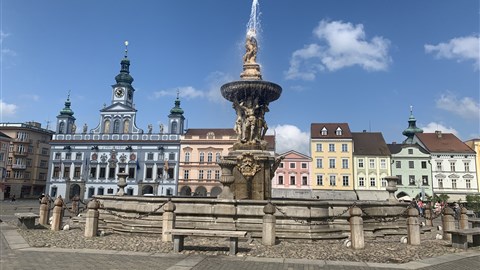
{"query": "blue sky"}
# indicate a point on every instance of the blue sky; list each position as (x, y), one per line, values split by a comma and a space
(360, 62)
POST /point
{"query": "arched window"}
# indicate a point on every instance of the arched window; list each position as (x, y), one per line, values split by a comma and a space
(126, 126)
(61, 128)
(174, 127)
(217, 157)
(338, 131)
(209, 157)
(116, 126)
(106, 126)
(202, 157)
(324, 131)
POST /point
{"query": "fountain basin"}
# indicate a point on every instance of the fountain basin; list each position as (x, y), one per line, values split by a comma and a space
(238, 91)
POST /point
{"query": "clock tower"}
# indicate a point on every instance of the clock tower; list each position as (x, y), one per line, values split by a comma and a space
(122, 91)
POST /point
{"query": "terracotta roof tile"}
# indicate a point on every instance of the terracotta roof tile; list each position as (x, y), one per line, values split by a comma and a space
(369, 143)
(447, 142)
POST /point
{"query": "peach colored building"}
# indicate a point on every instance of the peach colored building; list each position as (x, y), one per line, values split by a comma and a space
(292, 175)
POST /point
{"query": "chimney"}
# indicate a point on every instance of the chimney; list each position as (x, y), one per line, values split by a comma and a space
(439, 133)
(394, 142)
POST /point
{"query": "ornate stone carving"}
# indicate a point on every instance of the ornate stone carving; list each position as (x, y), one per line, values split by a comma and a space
(247, 165)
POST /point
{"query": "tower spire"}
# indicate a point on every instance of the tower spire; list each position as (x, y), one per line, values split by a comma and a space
(412, 128)
(126, 48)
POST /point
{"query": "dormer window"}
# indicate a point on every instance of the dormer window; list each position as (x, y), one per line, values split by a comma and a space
(338, 132)
(324, 131)
(210, 135)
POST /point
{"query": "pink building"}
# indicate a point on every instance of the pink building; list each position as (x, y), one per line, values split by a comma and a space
(292, 177)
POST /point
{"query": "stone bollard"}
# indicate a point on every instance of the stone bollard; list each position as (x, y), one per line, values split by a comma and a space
(168, 220)
(413, 227)
(268, 229)
(428, 215)
(43, 220)
(463, 221)
(75, 203)
(57, 214)
(448, 222)
(356, 228)
(91, 221)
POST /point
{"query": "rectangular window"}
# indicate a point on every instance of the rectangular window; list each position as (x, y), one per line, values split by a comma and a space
(43, 164)
(383, 164)
(344, 147)
(398, 164)
(373, 182)
(78, 156)
(93, 172)
(149, 173)
(209, 157)
(425, 180)
(344, 163)
(424, 164)
(131, 173)
(360, 163)
(281, 165)
(209, 174)
(58, 156)
(186, 174)
(331, 147)
(345, 181)
(319, 180)
(68, 156)
(440, 183)
(56, 172)
(331, 163)
(66, 172)
(111, 173)
(200, 174)
(45, 151)
(411, 164)
(149, 156)
(159, 172)
(454, 183)
(202, 157)
(103, 173)
(280, 179)
(439, 165)
(384, 182)
(217, 174)
(361, 181)
(319, 163)
(410, 151)
(371, 163)
(319, 147)
(333, 180)
(304, 165)
(76, 172)
(304, 180)
(171, 156)
(187, 157)
(292, 165)
(292, 180)
(467, 166)
(452, 166)
(170, 172)
(468, 183)
(411, 180)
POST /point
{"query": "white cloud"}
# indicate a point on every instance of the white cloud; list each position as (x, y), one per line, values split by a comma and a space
(213, 83)
(343, 45)
(6, 51)
(461, 49)
(32, 97)
(465, 107)
(7, 109)
(433, 126)
(289, 137)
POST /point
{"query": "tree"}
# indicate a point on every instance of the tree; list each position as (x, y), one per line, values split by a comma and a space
(473, 203)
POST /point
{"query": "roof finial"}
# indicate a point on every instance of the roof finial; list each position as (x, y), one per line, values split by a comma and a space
(178, 93)
(68, 96)
(126, 48)
(411, 109)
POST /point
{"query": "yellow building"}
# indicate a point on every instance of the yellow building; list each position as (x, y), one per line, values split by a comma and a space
(475, 145)
(331, 147)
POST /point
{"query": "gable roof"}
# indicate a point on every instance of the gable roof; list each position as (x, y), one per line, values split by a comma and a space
(443, 142)
(316, 131)
(369, 143)
(3, 135)
(396, 148)
(118, 107)
(292, 154)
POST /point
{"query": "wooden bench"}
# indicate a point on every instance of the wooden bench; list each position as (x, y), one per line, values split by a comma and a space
(475, 222)
(26, 220)
(459, 237)
(179, 235)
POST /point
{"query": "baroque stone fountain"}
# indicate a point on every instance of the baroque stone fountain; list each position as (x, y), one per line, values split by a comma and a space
(248, 169)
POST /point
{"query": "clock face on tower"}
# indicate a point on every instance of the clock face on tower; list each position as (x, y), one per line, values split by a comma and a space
(119, 92)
